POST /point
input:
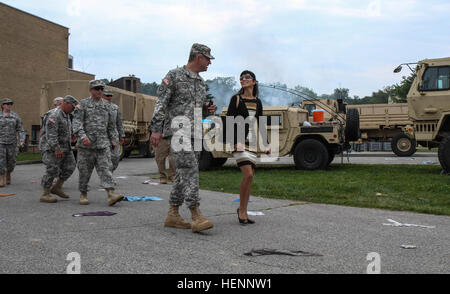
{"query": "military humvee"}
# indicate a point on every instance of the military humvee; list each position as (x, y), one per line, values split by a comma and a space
(313, 145)
(429, 107)
(378, 122)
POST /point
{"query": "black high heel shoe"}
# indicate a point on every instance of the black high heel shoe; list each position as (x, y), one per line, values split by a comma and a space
(243, 221)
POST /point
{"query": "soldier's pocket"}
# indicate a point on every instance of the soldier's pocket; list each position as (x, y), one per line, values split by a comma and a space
(184, 159)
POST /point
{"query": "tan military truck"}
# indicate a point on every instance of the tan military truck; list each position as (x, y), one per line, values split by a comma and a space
(137, 111)
(378, 122)
(429, 106)
(313, 145)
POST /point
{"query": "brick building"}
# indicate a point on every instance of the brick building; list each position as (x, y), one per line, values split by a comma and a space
(33, 51)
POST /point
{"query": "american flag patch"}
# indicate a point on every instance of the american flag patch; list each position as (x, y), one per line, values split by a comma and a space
(52, 120)
(166, 81)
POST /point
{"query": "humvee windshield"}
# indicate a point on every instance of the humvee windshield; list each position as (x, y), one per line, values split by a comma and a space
(310, 108)
(436, 78)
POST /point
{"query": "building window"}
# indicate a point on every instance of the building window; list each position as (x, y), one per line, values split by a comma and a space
(35, 130)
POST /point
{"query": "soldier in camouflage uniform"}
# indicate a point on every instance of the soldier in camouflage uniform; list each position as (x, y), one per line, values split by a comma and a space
(117, 118)
(10, 125)
(181, 91)
(56, 150)
(94, 126)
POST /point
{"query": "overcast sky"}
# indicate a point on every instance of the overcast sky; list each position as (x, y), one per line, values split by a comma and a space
(318, 44)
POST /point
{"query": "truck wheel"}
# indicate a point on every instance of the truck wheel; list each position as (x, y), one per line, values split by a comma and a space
(121, 152)
(149, 150)
(402, 145)
(218, 162)
(444, 154)
(310, 154)
(352, 130)
(206, 161)
(331, 155)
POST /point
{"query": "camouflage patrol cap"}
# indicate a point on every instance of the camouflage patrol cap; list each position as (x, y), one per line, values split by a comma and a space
(55, 101)
(71, 100)
(201, 49)
(96, 83)
(107, 92)
(5, 100)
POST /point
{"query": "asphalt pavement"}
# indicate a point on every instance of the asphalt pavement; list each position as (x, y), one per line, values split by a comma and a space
(38, 237)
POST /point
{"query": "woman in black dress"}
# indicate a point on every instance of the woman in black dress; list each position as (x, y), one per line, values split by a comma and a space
(247, 105)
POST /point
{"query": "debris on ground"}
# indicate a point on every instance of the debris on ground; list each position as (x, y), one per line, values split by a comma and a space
(141, 198)
(267, 251)
(150, 182)
(397, 224)
(255, 213)
(95, 213)
(409, 246)
(8, 194)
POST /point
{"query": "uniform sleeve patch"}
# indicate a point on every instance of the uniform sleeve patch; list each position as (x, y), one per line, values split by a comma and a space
(166, 81)
(78, 106)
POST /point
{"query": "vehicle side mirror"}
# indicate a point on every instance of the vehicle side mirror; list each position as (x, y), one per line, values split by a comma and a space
(398, 69)
(341, 106)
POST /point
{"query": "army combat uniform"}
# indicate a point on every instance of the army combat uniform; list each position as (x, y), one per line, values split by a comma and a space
(93, 120)
(117, 121)
(10, 125)
(56, 135)
(180, 92)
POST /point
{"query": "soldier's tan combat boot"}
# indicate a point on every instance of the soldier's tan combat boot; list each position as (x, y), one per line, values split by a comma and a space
(8, 178)
(174, 219)
(46, 197)
(83, 199)
(57, 189)
(163, 180)
(2, 180)
(199, 222)
(112, 197)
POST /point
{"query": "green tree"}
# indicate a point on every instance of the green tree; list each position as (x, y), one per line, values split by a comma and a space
(400, 90)
(149, 88)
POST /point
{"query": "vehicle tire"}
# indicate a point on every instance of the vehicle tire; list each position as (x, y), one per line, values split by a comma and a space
(402, 145)
(310, 154)
(218, 162)
(444, 154)
(206, 161)
(149, 151)
(331, 156)
(352, 130)
(121, 152)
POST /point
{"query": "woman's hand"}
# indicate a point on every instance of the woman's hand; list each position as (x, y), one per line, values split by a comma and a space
(268, 151)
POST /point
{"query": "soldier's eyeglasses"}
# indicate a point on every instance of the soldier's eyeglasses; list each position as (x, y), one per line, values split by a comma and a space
(98, 88)
(246, 77)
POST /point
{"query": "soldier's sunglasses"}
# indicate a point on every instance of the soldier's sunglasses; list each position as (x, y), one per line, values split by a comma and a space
(246, 77)
(98, 88)
(9, 103)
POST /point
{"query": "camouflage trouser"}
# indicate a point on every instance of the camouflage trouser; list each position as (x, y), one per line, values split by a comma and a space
(161, 153)
(57, 167)
(185, 187)
(98, 158)
(115, 158)
(8, 154)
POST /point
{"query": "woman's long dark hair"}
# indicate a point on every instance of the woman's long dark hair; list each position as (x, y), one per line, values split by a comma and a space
(255, 87)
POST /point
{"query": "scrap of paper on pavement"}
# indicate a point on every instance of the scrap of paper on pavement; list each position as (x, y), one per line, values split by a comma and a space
(397, 224)
(255, 213)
